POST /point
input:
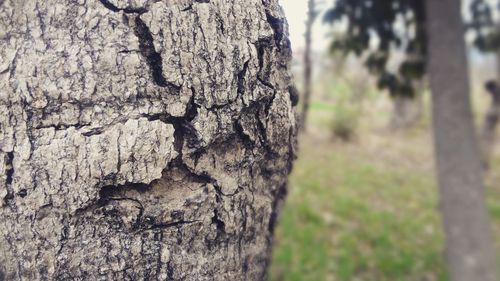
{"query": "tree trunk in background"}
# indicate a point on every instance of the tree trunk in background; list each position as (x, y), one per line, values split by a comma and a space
(311, 16)
(142, 140)
(407, 112)
(490, 124)
(469, 246)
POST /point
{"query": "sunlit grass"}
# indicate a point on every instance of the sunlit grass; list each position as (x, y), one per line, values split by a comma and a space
(348, 219)
(365, 210)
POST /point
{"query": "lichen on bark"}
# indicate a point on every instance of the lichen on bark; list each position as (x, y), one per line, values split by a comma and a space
(142, 139)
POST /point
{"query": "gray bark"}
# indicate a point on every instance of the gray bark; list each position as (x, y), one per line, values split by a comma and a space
(469, 245)
(142, 139)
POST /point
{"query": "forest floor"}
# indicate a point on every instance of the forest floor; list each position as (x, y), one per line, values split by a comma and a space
(365, 209)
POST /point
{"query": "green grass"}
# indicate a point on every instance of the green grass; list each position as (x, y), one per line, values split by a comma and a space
(348, 218)
(365, 210)
(322, 106)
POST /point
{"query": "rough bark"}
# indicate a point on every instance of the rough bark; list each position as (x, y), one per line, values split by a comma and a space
(311, 17)
(142, 139)
(490, 124)
(469, 245)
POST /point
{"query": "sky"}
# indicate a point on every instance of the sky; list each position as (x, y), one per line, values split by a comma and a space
(296, 13)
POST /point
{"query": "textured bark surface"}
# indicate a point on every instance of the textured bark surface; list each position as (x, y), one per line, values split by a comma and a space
(142, 139)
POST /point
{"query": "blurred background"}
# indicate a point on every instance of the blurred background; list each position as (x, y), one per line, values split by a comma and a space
(363, 200)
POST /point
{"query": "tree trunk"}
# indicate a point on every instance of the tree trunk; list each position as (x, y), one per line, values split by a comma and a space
(490, 124)
(311, 16)
(142, 140)
(406, 113)
(469, 245)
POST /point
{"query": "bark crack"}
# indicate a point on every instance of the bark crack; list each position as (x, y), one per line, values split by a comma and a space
(241, 79)
(9, 176)
(171, 224)
(294, 95)
(153, 58)
(59, 127)
(10, 167)
(219, 224)
(277, 26)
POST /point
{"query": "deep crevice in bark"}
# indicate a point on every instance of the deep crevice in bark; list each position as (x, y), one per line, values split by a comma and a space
(241, 79)
(184, 132)
(277, 26)
(153, 58)
(188, 8)
(60, 127)
(294, 95)
(9, 173)
(93, 132)
(238, 128)
(219, 224)
(10, 167)
(109, 191)
(171, 224)
(221, 231)
(264, 48)
(22, 193)
(279, 197)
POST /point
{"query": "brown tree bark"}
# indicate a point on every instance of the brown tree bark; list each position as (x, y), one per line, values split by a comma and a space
(311, 17)
(142, 139)
(469, 247)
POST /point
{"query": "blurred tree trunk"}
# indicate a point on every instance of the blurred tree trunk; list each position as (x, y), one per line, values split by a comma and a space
(311, 17)
(490, 124)
(469, 246)
(407, 111)
(145, 141)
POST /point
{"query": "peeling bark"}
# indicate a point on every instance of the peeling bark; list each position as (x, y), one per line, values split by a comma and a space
(142, 140)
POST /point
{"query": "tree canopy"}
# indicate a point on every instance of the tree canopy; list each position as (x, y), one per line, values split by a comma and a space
(380, 29)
